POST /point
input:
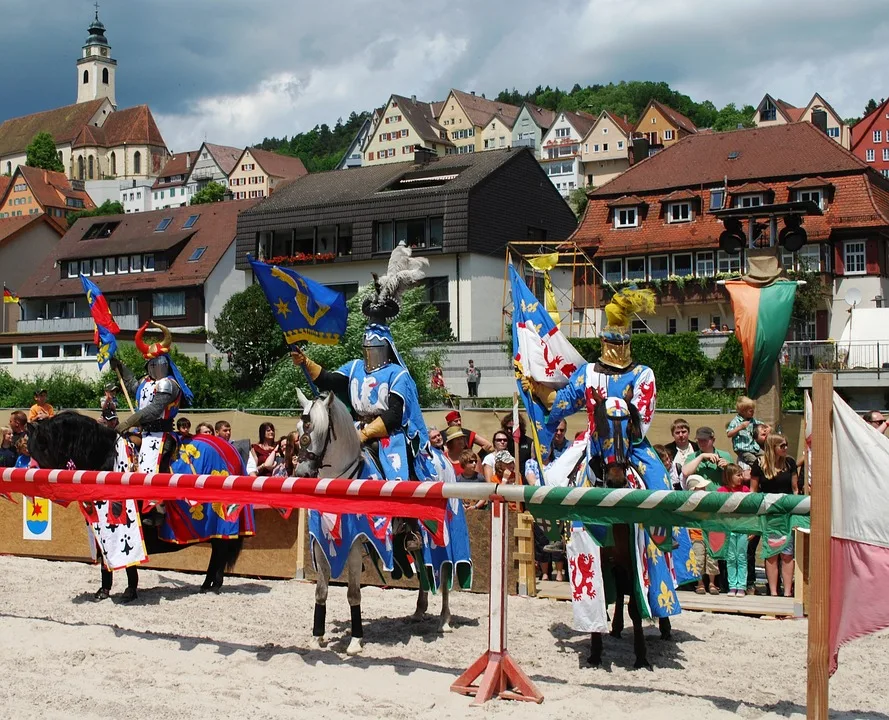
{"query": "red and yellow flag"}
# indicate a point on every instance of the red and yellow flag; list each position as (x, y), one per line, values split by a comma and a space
(9, 296)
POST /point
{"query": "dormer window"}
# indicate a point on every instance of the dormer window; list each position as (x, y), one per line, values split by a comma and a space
(717, 199)
(626, 217)
(748, 201)
(163, 224)
(679, 212)
(815, 195)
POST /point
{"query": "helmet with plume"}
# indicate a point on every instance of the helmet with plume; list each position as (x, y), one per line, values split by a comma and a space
(616, 333)
(155, 349)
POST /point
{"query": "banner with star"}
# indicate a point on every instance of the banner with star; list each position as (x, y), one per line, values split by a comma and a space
(106, 327)
(540, 351)
(305, 309)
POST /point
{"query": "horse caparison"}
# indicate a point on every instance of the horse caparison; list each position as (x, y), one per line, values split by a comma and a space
(70, 438)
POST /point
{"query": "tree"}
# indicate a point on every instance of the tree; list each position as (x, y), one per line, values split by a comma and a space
(869, 107)
(108, 207)
(578, 200)
(42, 153)
(212, 192)
(732, 118)
(247, 331)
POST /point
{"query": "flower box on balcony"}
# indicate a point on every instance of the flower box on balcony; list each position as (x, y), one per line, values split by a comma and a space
(302, 259)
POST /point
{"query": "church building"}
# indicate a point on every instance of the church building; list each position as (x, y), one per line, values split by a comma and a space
(94, 140)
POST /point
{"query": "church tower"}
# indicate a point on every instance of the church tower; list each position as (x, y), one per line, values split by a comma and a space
(96, 67)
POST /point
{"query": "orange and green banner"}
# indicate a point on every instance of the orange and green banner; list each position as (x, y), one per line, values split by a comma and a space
(762, 316)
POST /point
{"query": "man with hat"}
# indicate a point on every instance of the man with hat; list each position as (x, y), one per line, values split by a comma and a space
(453, 418)
(707, 462)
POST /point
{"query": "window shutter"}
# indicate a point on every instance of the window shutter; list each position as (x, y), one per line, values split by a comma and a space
(370, 155)
(872, 257)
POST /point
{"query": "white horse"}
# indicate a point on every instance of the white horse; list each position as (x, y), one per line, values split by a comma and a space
(330, 448)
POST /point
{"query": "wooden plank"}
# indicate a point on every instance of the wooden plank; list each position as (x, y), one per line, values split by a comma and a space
(524, 554)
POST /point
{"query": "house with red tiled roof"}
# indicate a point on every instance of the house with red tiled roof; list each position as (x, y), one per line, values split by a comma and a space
(170, 187)
(870, 139)
(661, 126)
(655, 224)
(560, 150)
(33, 191)
(404, 125)
(774, 111)
(531, 124)
(605, 152)
(175, 265)
(258, 173)
(212, 163)
(94, 139)
(474, 123)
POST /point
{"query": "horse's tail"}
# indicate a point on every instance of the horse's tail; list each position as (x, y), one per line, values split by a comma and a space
(232, 550)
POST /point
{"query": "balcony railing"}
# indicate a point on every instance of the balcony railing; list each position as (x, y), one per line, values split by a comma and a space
(809, 356)
(525, 142)
(54, 325)
(672, 292)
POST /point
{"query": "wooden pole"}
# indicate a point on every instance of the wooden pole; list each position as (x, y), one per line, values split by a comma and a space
(503, 302)
(817, 689)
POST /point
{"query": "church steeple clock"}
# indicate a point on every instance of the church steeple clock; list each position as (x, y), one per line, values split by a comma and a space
(96, 67)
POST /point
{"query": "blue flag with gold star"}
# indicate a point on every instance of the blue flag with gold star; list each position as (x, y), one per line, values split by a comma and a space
(305, 309)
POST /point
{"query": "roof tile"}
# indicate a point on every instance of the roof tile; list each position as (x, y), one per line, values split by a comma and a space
(62, 123)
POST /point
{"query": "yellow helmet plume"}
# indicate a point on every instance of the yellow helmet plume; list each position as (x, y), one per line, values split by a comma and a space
(629, 302)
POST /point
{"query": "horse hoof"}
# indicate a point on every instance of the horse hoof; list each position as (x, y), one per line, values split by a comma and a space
(642, 664)
(102, 594)
(446, 627)
(666, 635)
(594, 662)
(417, 617)
(616, 633)
(317, 642)
(356, 646)
(129, 595)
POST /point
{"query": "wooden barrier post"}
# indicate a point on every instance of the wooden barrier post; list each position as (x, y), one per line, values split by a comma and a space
(524, 533)
(817, 687)
(499, 673)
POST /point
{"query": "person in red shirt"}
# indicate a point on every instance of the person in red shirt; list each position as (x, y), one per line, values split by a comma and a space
(736, 543)
(454, 419)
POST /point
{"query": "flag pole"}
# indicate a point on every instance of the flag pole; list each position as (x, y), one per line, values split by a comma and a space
(817, 677)
(123, 387)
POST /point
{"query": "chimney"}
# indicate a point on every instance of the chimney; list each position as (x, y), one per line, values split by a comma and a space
(819, 120)
(187, 160)
(423, 155)
(413, 98)
(472, 92)
(640, 149)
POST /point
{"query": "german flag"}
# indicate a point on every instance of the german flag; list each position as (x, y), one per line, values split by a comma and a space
(9, 296)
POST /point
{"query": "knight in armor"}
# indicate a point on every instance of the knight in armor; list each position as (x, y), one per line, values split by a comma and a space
(158, 396)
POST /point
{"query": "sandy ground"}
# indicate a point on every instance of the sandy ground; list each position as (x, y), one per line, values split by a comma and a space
(243, 654)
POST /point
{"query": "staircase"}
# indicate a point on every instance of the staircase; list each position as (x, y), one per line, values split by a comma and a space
(494, 361)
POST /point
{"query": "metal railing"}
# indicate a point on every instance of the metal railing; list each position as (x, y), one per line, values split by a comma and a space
(53, 325)
(811, 355)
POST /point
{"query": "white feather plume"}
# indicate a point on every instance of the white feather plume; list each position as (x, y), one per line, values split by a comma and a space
(403, 272)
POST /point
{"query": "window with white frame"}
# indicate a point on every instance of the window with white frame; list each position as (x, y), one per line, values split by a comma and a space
(878, 136)
(679, 212)
(693, 324)
(816, 196)
(682, 264)
(746, 201)
(727, 263)
(885, 154)
(671, 326)
(668, 134)
(637, 327)
(168, 304)
(110, 266)
(833, 132)
(854, 259)
(636, 268)
(148, 262)
(706, 266)
(717, 199)
(625, 217)
(98, 266)
(73, 268)
(658, 267)
(620, 144)
(613, 270)
(604, 130)
(123, 265)
(563, 132)
(85, 267)
(869, 154)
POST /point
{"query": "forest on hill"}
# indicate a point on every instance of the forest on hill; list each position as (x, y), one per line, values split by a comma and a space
(322, 147)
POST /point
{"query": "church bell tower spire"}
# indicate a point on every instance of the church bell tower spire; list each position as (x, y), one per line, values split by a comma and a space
(95, 67)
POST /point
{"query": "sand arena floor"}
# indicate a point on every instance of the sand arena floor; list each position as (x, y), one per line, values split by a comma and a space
(243, 654)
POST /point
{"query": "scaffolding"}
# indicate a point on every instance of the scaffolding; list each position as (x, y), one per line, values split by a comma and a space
(578, 304)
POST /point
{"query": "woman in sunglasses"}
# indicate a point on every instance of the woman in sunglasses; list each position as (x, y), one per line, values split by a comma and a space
(500, 442)
(776, 472)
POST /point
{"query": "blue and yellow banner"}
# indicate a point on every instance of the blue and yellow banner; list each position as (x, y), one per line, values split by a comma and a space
(106, 327)
(37, 519)
(305, 309)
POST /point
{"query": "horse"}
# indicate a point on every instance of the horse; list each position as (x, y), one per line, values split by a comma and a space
(617, 431)
(330, 448)
(73, 440)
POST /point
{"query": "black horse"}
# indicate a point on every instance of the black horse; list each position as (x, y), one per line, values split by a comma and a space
(73, 439)
(617, 428)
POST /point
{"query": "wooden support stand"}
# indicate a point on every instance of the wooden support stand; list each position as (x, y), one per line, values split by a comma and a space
(524, 555)
(499, 674)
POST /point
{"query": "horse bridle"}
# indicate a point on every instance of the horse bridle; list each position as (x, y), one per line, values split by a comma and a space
(315, 459)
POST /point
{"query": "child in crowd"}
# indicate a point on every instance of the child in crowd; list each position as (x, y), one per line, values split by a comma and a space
(736, 543)
(469, 465)
(740, 431)
(705, 563)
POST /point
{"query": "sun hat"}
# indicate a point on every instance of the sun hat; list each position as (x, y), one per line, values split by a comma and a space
(453, 433)
(503, 456)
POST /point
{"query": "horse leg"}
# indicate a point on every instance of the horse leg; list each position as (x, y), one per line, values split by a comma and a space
(353, 594)
(216, 567)
(638, 635)
(595, 658)
(444, 624)
(665, 627)
(322, 585)
(617, 622)
(422, 602)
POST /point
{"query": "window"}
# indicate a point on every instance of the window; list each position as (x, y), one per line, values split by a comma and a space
(135, 263)
(105, 76)
(637, 327)
(726, 263)
(604, 147)
(814, 196)
(668, 134)
(679, 212)
(869, 155)
(148, 262)
(682, 265)
(110, 266)
(693, 325)
(658, 267)
(620, 144)
(168, 304)
(383, 237)
(885, 154)
(717, 199)
(747, 201)
(878, 136)
(163, 224)
(85, 267)
(89, 165)
(671, 326)
(98, 266)
(192, 219)
(854, 257)
(196, 255)
(636, 268)
(123, 266)
(73, 268)
(705, 265)
(833, 132)
(596, 147)
(625, 217)
(86, 76)
(563, 132)
(613, 270)
(137, 163)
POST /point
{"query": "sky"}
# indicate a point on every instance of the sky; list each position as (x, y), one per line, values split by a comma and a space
(235, 71)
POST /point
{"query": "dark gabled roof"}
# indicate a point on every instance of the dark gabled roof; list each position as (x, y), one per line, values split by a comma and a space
(63, 124)
(481, 111)
(582, 122)
(676, 117)
(12, 227)
(374, 181)
(215, 230)
(421, 117)
(131, 126)
(277, 165)
(793, 150)
(179, 164)
(751, 187)
(810, 182)
(225, 156)
(542, 117)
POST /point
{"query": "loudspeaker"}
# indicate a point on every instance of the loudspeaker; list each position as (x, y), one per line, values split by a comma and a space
(792, 236)
(733, 239)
